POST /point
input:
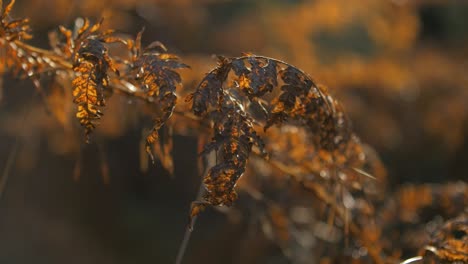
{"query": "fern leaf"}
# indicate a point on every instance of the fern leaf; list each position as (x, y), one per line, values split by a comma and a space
(11, 30)
(287, 96)
(209, 92)
(89, 83)
(156, 74)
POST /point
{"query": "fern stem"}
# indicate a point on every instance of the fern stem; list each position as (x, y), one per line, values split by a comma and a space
(188, 230)
(184, 244)
(210, 161)
(57, 59)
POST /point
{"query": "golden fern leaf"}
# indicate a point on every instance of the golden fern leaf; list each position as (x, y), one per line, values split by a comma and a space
(89, 83)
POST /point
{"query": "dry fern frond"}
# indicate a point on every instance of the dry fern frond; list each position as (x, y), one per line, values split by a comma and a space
(153, 69)
(309, 177)
(234, 137)
(10, 30)
(266, 92)
(82, 54)
(22, 60)
(16, 59)
(91, 63)
(89, 84)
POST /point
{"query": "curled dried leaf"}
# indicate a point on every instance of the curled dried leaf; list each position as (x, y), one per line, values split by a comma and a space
(284, 95)
(234, 138)
(155, 72)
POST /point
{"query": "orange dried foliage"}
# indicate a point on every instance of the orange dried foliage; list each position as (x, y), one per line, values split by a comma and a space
(280, 139)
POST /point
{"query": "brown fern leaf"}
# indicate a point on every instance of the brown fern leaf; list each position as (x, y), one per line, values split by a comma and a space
(303, 100)
(89, 83)
(259, 79)
(229, 96)
(10, 31)
(209, 93)
(22, 60)
(155, 72)
(234, 138)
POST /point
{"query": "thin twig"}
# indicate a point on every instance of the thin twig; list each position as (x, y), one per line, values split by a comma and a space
(188, 231)
(46, 53)
(189, 228)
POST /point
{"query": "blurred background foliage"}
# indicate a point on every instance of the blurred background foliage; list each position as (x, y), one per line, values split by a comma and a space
(399, 67)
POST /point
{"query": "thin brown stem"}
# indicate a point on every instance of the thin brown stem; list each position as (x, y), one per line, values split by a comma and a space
(189, 228)
(46, 53)
(188, 231)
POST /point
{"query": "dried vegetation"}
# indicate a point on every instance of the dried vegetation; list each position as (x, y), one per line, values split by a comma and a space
(281, 142)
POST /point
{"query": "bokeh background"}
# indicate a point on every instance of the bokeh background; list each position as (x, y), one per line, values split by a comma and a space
(399, 67)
